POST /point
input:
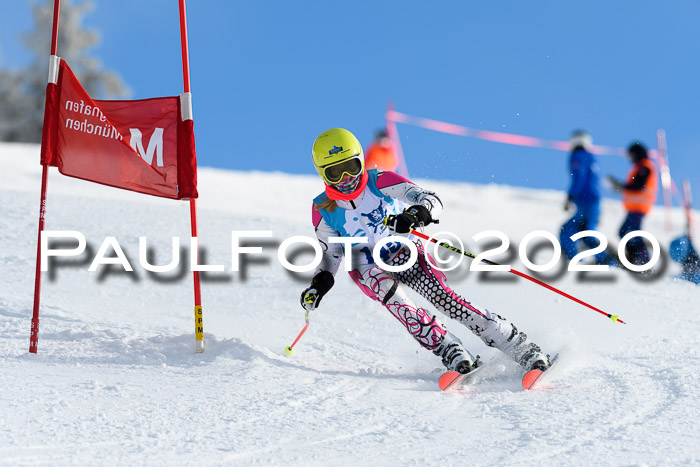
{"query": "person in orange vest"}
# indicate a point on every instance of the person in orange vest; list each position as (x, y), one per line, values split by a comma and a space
(381, 154)
(638, 196)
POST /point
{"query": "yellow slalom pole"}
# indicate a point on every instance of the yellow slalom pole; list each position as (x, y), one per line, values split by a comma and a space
(199, 329)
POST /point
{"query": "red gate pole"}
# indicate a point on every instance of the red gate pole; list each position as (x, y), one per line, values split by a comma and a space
(688, 205)
(393, 132)
(665, 175)
(198, 317)
(34, 335)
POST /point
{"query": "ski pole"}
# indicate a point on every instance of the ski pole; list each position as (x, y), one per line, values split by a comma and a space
(614, 318)
(290, 350)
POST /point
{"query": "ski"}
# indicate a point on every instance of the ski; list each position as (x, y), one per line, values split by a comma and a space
(454, 381)
(533, 377)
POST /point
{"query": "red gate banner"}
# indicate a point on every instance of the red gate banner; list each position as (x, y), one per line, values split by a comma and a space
(144, 145)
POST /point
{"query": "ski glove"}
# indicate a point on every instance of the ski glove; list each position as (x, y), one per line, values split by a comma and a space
(320, 285)
(415, 216)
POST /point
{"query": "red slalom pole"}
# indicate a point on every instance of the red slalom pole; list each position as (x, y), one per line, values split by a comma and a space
(393, 132)
(688, 204)
(184, 46)
(34, 334)
(665, 175)
(614, 318)
(198, 315)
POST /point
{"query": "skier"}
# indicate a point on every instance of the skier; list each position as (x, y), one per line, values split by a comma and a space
(354, 204)
(638, 196)
(683, 251)
(381, 154)
(583, 192)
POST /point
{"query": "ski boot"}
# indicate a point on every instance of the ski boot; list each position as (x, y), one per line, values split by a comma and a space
(454, 356)
(527, 354)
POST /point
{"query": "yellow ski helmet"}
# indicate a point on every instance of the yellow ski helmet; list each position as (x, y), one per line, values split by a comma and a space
(337, 152)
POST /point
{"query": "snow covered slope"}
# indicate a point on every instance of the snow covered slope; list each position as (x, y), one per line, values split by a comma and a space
(116, 379)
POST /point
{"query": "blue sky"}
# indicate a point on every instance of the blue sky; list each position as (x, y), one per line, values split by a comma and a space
(267, 77)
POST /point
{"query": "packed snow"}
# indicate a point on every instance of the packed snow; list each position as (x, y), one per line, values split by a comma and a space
(116, 379)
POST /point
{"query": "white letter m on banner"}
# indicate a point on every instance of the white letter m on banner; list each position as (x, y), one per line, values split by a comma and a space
(155, 145)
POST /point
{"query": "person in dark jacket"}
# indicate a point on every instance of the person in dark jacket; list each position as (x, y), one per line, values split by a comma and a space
(583, 193)
(638, 196)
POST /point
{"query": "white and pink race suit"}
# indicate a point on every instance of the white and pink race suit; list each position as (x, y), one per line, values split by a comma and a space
(387, 193)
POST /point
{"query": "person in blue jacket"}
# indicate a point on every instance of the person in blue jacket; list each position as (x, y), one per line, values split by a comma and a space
(583, 193)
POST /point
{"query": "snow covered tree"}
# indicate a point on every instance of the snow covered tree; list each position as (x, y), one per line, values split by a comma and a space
(22, 92)
(14, 105)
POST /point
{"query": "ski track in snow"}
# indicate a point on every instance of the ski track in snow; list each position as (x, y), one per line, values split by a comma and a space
(116, 379)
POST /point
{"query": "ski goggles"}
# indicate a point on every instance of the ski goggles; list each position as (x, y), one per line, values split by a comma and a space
(334, 173)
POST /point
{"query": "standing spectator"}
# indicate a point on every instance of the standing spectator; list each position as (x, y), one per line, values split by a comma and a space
(638, 196)
(381, 154)
(583, 193)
